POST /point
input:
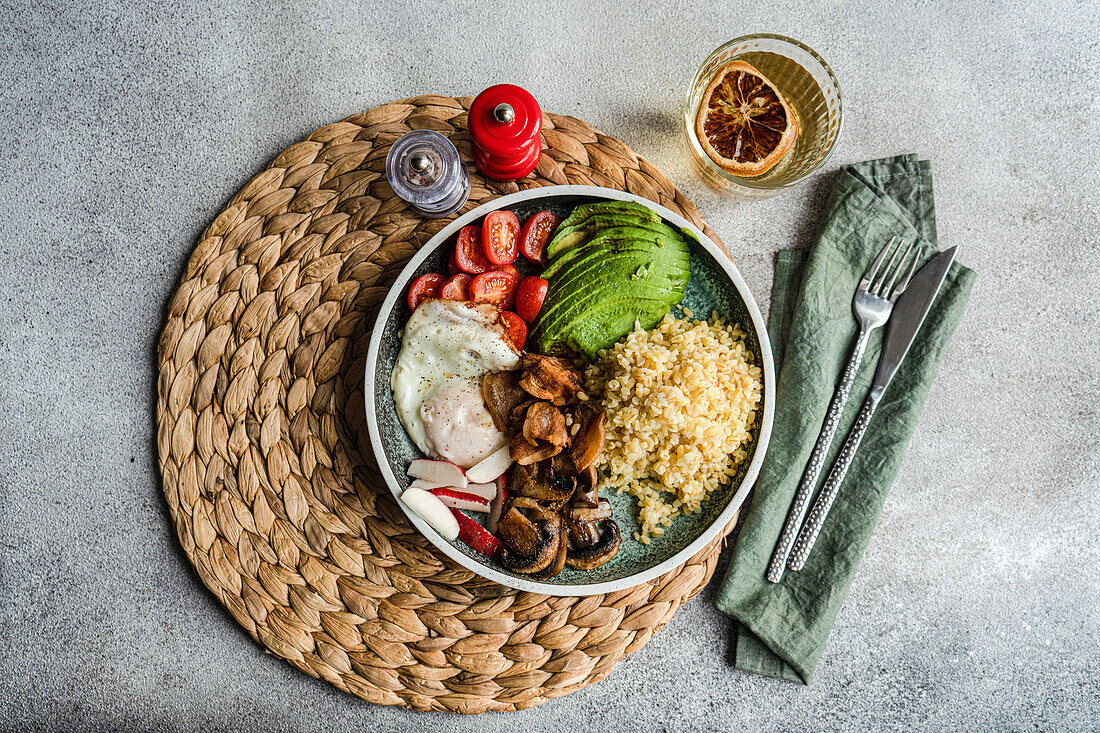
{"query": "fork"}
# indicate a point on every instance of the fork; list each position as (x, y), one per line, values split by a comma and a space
(874, 301)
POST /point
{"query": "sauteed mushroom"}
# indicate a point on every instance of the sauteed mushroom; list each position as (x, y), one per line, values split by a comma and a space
(583, 534)
(544, 423)
(591, 514)
(558, 563)
(502, 395)
(550, 378)
(525, 454)
(588, 440)
(544, 552)
(589, 558)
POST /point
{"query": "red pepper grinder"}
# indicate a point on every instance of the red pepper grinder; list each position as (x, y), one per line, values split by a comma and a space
(505, 121)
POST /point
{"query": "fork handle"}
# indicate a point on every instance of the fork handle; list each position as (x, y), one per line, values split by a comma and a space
(808, 536)
(817, 460)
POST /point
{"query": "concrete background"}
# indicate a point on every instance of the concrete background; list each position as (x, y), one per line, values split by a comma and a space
(129, 125)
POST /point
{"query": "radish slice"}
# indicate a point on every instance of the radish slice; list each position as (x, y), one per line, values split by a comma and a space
(440, 473)
(433, 511)
(497, 503)
(455, 499)
(476, 536)
(429, 485)
(490, 467)
(487, 492)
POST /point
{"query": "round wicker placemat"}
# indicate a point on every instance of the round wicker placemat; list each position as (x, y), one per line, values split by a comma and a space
(266, 464)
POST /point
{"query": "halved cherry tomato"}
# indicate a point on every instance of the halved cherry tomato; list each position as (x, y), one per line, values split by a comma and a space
(452, 265)
(497, 287)
(530, 293)
(457, 288)
(499, 237)
(469, 256)
(423, 287)
(536, 234)
(515, 330)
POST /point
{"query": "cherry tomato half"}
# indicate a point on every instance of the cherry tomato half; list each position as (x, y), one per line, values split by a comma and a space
(515, 330)
(452, 264)
(497, 287)
(499, 237)
(423, 287)
(537, 231)
(469, 256)
(457, 288)
(530, 293)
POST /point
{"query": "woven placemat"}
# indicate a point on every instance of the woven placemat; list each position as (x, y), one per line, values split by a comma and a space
(265, 457)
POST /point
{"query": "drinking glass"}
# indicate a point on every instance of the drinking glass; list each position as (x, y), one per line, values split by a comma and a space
(812, 94)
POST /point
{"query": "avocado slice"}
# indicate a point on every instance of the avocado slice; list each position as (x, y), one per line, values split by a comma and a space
(593, 317)
(554, 326)
(566, 238)
(616, 238)
(603, 326)
(596, 208)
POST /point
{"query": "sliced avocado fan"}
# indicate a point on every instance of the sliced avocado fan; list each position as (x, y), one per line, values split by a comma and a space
(612, 264)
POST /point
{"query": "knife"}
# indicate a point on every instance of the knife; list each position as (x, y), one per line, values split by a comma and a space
(905, 322)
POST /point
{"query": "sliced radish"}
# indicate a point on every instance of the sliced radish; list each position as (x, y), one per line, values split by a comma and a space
(490, 467)
(431, 510)
(439, 473)
(486, 491)
(476, 536)
(455, 499)
(497, 503)
(428, 485)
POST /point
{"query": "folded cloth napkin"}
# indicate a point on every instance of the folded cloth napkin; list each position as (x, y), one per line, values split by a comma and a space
(782, 627)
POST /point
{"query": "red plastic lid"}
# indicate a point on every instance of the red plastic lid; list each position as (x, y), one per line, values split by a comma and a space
(505, 149)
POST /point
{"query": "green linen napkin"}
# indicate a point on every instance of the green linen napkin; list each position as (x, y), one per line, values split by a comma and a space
(782, 627)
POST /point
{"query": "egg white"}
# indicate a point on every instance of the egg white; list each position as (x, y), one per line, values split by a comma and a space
(447, 348)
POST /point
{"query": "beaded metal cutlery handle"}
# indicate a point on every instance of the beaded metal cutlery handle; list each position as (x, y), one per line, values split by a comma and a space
(817, 461)
(812, 527)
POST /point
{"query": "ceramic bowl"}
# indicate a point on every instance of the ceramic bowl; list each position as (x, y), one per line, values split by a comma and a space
(715, 285)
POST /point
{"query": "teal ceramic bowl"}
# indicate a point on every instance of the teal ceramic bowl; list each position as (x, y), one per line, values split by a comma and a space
(715, 285)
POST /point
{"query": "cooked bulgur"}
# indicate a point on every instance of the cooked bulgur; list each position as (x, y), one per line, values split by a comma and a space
(680, 401)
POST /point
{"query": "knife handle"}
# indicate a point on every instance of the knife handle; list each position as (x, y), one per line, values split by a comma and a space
(817, 461)
(810, 530)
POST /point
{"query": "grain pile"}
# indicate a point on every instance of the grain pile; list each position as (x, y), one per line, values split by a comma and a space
(680, 400)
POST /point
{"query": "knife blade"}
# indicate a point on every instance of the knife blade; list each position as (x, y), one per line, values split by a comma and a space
(908, 315)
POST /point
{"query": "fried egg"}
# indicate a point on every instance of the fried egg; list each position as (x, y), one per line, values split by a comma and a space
(446, 349)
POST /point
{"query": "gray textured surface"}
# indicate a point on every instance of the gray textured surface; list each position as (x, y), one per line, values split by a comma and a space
(130, 124)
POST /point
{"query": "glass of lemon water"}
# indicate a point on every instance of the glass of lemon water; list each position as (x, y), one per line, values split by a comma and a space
(763, 113)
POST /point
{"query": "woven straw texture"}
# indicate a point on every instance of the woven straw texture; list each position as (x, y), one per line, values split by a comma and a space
(264, 453)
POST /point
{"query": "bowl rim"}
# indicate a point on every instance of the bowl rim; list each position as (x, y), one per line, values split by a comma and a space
(397, 289)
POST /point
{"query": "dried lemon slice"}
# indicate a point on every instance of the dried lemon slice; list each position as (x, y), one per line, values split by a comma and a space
(743, 122)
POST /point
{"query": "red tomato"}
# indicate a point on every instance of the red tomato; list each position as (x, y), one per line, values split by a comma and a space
(457, 288)
(499, 235)
(536, 235)
(497, 287)
(529, 296)
(515, 330)
(469, 256)
(423, 287)
(452, 265)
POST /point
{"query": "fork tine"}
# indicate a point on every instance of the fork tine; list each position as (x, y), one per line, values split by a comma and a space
(873, 269)
(908, 274)
(880, 281)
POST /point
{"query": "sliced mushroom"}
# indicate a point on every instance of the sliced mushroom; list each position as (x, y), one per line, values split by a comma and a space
(537, 512)
(546, 551)
(525, 454)
(502, 395)
(551, 378)
(558, 563)
(589, 558)
(583, 534)
(544, 423)
(588, 441)
(518, 532)
(586, 488)
(519, 413)
(538, 482)
(591, 514)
